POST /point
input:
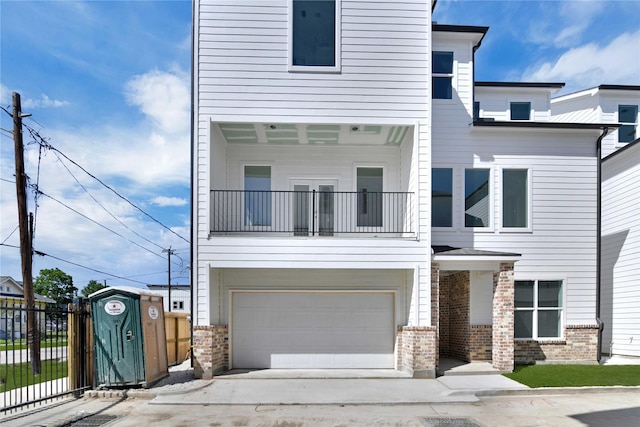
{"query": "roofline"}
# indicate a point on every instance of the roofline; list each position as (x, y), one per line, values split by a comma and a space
(622, 150)
(557, 85)
(448, 28)
(619, 87)
(583, 92)
(544, 125)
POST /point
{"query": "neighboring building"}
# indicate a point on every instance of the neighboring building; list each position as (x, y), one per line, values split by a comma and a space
(345, 219)
(13, 316)
(620, 232)
(180, 297)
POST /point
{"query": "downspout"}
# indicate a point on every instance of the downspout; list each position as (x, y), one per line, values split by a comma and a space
(192, 172)
(599, 321)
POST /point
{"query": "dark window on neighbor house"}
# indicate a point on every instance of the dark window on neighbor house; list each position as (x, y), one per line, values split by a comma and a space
(314, 33)
(515, 198)
(369, 183)
(442, 197)
(628, 116)
(442, 79)
(257, 195)
(538, 309)
(477, 204)
(177, 305)
(520, 111)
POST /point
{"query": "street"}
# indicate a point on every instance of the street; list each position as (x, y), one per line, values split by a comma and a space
(22, 356)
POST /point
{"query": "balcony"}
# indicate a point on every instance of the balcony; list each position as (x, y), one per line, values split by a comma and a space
(313, 213)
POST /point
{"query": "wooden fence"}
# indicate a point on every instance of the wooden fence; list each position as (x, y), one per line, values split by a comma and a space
(178, 332)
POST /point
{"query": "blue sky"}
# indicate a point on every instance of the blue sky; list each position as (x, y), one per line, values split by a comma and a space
(107, 82)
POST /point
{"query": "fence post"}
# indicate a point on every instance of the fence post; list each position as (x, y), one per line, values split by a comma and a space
(79, 347)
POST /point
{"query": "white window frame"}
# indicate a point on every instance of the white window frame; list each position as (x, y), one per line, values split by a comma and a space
(357, 166)
(454, 198)
(535, 309)
(451, 75)
(273, 207)
(500, 210)
(636, 123)
(337, 68)
(531, 112)
(463, 184)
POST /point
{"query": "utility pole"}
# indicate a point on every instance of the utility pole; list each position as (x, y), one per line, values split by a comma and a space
(169, 253)
(26, 250)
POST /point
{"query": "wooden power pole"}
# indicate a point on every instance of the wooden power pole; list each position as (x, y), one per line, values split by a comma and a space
(26, 251)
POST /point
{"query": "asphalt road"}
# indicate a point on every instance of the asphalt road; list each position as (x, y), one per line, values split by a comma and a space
(22, 356)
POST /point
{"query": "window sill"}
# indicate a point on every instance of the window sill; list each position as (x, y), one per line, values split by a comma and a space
(314, 69)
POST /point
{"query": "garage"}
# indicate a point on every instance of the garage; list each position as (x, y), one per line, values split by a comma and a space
(312, 330)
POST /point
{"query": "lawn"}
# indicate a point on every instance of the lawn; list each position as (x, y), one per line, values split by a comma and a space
(576, 375)
(20, 375)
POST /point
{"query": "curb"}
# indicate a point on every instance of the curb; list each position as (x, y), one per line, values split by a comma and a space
(554, 390)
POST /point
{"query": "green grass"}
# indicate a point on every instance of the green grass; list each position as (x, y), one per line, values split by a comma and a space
(21, 344)
(576, 375)
(20, 375)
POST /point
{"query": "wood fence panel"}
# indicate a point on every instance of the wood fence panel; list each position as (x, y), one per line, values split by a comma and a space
(178, 333)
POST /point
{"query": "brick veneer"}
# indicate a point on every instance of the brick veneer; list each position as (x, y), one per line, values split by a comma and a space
(580, 344)
(459, 312)
(503, 318)
(480, 345)
(417, 350)
(210, 350)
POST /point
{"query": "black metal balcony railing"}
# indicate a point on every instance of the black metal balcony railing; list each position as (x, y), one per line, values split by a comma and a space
(312, 213)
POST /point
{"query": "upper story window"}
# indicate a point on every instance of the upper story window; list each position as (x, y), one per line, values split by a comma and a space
(476, 110)
(257, 195)
(628, 116)
(538, 309)
(442, 79)
(442, 197)
(520, 111)
(515, 198)
(369, 182)
(477, 202)
(314, 35)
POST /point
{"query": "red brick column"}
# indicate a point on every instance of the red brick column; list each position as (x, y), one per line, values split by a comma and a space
(210, 350)
(417, 350)
(503, 318)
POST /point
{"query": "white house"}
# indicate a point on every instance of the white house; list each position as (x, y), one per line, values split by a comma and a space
(13, 313)
(180, 297)
(321, 239)
(620, 230)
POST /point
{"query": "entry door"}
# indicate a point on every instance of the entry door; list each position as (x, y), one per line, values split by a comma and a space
(313, 210)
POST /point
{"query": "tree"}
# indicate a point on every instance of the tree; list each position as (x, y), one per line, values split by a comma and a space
(92, 286)
(55, 284)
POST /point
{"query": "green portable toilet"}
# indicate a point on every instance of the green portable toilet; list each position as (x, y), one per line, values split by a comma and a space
(129, 337)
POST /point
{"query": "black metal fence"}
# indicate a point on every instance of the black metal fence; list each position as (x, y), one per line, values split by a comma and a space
(35, 364)
(312, 213)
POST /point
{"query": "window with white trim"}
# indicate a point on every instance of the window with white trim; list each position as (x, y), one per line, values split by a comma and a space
(515, 198)
(442, 77)
(538, 309)
(177, 305)
(257, 195)
(441, 197)
(477, 198)
(369, 183)
(628, 116)
(314, 35)
(520, 110)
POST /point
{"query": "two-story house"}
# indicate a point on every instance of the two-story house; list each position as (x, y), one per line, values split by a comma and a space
(620, 223)
(359, 202)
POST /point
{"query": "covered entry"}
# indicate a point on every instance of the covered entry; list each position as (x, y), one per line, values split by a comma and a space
(312, 329)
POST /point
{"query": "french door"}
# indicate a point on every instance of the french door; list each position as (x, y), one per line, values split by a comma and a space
(313, 210)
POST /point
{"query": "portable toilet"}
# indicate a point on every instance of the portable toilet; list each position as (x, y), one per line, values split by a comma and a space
(129, 337)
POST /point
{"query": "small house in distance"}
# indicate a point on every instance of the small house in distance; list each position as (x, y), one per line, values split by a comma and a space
(179, 300)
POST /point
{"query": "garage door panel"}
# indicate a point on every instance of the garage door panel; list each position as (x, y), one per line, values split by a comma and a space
(312, 330)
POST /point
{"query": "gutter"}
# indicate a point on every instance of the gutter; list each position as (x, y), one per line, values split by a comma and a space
(599, 321)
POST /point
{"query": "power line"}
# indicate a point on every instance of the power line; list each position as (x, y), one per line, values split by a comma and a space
(42, 141)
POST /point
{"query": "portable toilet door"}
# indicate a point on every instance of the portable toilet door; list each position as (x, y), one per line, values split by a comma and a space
(118, 338)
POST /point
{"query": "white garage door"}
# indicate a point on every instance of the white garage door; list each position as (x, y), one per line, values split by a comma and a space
(312, 330)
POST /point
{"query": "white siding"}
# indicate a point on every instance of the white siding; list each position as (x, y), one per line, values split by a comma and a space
(495, 102)
(562, 241)
(621, 253)
(241, 75)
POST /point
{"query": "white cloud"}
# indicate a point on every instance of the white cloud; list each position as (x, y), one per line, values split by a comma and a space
(43, 102)
(169, 201)
(591, 64)
(162, 96)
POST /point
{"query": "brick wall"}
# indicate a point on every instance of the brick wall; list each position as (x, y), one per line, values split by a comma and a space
(459, 306)
(210, 350)
(417, 350)
(580, 344)
(480, 345)
(503, 318)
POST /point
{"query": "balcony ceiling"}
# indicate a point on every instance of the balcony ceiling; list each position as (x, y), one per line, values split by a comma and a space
(313, 134)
